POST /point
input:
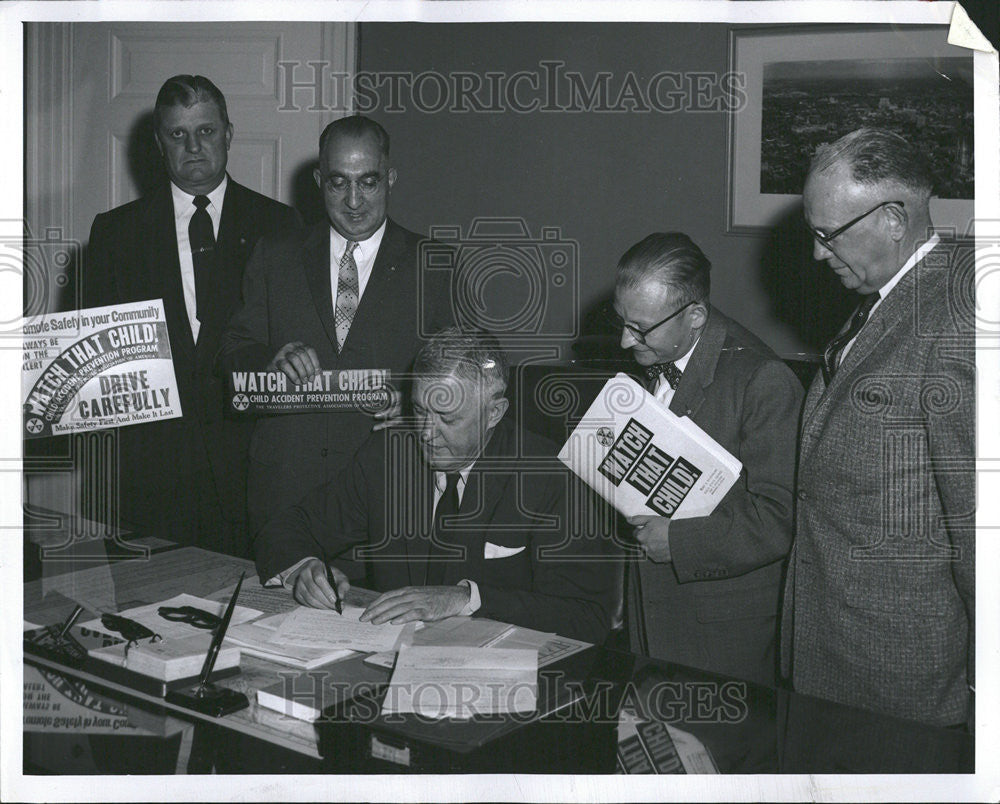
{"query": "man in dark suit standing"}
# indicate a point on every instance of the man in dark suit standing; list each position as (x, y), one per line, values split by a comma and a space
(187, 243)
(346, 293)
(880, 600)
(706, 591)
(449, 516)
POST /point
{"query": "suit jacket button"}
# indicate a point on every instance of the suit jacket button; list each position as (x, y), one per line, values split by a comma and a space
(802, 495)
(323, 452)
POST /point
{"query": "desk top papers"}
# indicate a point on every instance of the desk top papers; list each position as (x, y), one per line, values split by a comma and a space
(257, 639)
(644, 459)
(307, 627)
(461, 682)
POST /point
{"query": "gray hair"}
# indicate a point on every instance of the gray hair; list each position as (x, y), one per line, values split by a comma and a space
(876, 156)
(671, 259)
(475, 356)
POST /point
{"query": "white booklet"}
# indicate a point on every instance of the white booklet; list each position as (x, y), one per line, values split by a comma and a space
(644, 459)
(461, 682)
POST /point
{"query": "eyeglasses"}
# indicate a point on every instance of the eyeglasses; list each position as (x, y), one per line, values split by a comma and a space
(341, 185)
(825, 239)
(199, 618)
(131, 630)
(640, 334)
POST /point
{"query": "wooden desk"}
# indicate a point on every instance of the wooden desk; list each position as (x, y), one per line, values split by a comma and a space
(746, 728)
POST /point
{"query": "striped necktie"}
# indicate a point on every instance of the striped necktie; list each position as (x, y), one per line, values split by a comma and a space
(831, 355)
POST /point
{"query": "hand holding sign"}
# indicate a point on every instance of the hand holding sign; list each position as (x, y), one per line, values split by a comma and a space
(298, 361)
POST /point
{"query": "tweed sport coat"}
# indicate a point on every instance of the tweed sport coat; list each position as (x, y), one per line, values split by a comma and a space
(879, 608)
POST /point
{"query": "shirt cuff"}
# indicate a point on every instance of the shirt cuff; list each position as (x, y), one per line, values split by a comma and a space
(281, 577)
(475, 601)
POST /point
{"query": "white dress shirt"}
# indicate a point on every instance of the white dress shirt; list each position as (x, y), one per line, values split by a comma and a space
(364, 258)
(664, 393)
(184, 209)
(440, 482)
(883, 291)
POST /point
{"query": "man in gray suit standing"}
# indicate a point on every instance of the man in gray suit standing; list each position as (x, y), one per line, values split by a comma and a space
(705, 592)
(879, 608)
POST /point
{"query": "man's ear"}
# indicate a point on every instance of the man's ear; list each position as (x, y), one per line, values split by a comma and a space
(318, 178)
(897, 220)
(698, 315)
(497, 409)
(229, 135)
(159, 145)
(390, 174)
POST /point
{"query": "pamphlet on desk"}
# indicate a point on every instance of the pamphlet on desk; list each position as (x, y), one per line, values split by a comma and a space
(460, 682)
(168, 659)
(644, 459)
(257, 639)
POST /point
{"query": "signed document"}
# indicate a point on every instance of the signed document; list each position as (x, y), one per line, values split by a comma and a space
(325, 628)
(460, 682)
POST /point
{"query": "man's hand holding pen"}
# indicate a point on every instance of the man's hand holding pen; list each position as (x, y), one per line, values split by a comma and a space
(323, 586)
(320, 586)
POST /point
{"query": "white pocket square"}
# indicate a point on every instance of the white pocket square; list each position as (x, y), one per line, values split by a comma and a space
(498, 551)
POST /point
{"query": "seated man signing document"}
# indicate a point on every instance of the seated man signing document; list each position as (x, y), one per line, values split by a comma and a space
(459, 514)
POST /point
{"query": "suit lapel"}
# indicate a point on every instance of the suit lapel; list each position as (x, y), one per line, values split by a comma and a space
(233, 243)
(897, 308)
(485, 487)
(700, 370)
(316, 265)
(164, 270)
(371, 308)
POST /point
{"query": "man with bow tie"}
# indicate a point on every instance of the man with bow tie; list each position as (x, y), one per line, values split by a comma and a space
(705, 593)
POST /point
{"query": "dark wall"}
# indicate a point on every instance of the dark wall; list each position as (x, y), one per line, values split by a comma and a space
(604, 178)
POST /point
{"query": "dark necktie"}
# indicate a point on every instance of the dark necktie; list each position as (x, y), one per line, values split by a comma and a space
(347, 294)
(201, 236)
(831, 356)
(447, 506)
(668, 370)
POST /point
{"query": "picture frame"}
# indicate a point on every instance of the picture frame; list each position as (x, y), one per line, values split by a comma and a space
(873, 75)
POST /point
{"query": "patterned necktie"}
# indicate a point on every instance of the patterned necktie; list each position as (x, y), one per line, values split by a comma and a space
(831, 356)
(668, 370)
(201, 237)
(447, 506)
(347, 294)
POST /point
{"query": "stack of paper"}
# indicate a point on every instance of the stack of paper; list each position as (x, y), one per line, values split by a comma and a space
(461, 682)
(257, 639)
(169, 659)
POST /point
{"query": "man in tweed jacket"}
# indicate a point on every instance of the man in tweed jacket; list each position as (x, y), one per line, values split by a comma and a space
(879, 608)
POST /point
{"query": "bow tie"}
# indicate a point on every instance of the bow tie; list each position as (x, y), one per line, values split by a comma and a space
(668, 370)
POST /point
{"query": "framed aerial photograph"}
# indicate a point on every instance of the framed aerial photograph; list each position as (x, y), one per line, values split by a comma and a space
(808, 86)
